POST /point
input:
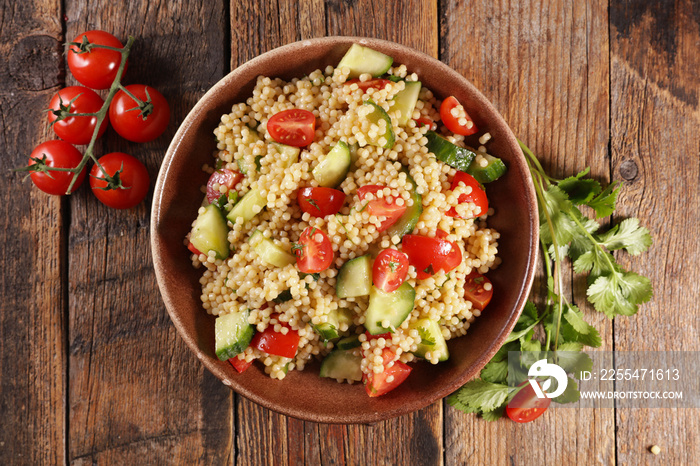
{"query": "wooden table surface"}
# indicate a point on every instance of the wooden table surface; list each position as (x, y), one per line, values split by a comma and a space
(93, 370)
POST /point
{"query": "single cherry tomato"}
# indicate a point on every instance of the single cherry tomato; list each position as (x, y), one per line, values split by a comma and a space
(381, 207)
(477, 196)
(134, 124)
(76, 129)
(525, 406)
(240, 364)
(58, 154)
(277, 343)
(384, 382)
(222, 177)
(372, 83)
(475, 290)
(463, 124)
(389, 270)
(98, 67)
(430, 255)
(294, 127)
(319, 202)
(314, 251)
(423, 121)
(132, 175)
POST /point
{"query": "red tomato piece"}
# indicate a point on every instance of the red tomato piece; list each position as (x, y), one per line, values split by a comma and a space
(525, 406)
(389, 270)
(423, 121)
(133, 124)
(97, 68)
(430, 255)
(477, 196)
(319, 202)
(193, 250)
(452, 122)
(240, 364)
(132, 174)
(381, 207)
(57, 154)
(475, 290)
(386, 336)
(222, 177)
(294, 127)
(77, 129)
(314, 251)
(392, 377)
(277, 343)
(372, 83)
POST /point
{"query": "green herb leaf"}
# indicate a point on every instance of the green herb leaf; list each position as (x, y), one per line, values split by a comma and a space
(580, 191)
(480, 396)
(495, 372)
(604, 203)
(571, 393)
(313, 203)
(496, 414)
(627, 235)
(619, 293)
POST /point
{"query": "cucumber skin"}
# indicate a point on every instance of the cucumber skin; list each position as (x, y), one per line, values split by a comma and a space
(440, 342)
(362, 264)
(408, 221)
(459, 157)
(493, 171)
(389, 135)
(348, 342)
(211, 210)
(373, 315)
(244, 336)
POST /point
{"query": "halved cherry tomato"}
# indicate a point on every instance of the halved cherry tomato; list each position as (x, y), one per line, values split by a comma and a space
(77, 129)
(277, 343)
(389, 270)
(381, 207)
(240, 364)
(423, 121)
(475, 291)
(386, 336)
(429, 255)
(373, 83)
(314, 251)
(294, 127)
(377, 384)
(477, 196)
(453, 122)
(193, 250)
(525, 406)
(225, 177)
(319, 202)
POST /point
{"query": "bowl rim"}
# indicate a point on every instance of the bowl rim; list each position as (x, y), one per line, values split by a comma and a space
(372, 417)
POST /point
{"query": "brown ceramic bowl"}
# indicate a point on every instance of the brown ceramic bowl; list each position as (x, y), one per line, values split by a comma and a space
(303, 394)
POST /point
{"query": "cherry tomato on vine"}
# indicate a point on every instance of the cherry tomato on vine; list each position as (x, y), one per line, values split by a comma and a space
(525, 406)
(76, 129)
(389, 270)
(477, 196)
(132, 174)
(133, 124)
(58, 154)
(319, 202)
(314, 251)
(294, 127)
(98, 67)
(455, 123)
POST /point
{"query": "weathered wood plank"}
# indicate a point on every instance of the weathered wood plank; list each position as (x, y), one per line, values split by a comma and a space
(137, 394)
(655, 116)
(32, 243)
(256, 27)
(544, 65)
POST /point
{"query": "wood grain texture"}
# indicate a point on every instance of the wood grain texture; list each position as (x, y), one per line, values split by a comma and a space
(32, 243)
(544, 65)
(656, 151)
(136, 391)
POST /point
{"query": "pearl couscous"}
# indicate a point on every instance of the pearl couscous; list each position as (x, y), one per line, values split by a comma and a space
(276, 296)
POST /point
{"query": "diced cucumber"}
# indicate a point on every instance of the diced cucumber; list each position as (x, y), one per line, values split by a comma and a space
(355, 277)
(210, 232)
(332, 170)
(330, 330)
(432, 339)
(365, 60)
(375, 116)
(291, 152)
(340, 364)
(327, 331)
(247, 168)
(405, 101)
(451, 154)
(232, 334)
(354, 147)
(409, 219)
(348, 342)
(494, 169)
(269, 252)
(392, 307)
(245, 208)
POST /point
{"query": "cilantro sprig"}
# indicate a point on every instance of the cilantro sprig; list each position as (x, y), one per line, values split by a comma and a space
(565, 232)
